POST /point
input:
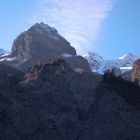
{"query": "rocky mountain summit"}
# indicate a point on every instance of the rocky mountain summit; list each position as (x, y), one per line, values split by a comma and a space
(40, 43)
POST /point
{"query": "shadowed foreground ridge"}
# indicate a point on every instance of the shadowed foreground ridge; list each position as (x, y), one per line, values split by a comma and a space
(117, 109)
(48, 103)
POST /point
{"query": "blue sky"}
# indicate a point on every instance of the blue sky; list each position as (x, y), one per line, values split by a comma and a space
(121, 30)
(107, 27)
(12, 20)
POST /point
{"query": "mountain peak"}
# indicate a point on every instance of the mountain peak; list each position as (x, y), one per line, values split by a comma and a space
(128, 55)
(93, 55)
(40, 41)
(42, 28)
(41, 25)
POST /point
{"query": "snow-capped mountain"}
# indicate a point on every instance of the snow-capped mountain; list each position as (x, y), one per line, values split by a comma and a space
(95, 60)
(4, 55)
(100, 65)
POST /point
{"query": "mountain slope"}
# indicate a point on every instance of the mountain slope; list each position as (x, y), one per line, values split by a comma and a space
(49, 103)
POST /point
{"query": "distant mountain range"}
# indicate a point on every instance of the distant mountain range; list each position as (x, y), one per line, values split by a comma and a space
(2, 51)
(100, 65)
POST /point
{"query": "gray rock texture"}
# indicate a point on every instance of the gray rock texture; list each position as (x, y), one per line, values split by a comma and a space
(136, 71)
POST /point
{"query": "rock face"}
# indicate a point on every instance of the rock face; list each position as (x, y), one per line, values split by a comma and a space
(77, 62)
(52, 102)
(136, 71)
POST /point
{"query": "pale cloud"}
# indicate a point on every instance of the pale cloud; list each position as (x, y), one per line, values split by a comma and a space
(79, 21)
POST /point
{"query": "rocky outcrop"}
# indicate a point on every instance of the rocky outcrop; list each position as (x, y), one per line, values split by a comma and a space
(77, 62)
(136, 71)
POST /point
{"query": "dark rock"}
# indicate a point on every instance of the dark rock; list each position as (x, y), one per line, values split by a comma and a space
(117, 111)
(127, 75)
(78, 62)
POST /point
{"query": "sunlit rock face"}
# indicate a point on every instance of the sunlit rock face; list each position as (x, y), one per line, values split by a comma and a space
(136, 71)
(41, 41)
